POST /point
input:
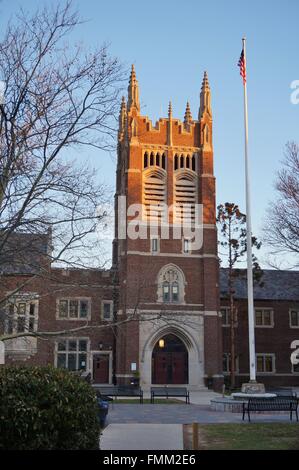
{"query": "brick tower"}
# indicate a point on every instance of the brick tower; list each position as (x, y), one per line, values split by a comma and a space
(168, 287)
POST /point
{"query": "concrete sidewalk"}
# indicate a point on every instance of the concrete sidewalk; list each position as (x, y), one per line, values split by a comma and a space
(142, 437)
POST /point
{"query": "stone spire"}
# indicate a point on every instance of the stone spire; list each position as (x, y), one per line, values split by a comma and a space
(188, 116)
(170, 110)
(122, 118)
(169, 127)
(205, 98)
(133, 92)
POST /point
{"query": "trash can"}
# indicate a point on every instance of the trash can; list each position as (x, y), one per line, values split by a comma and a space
(210, 383)
(103, 410)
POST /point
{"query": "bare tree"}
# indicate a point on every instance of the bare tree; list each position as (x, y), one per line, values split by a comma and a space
(233, 247)
(281, 229)
(57, 99)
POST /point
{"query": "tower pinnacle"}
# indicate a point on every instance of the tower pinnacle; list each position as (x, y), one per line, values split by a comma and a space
(205, 97)
(169, 127)
(122, 118)
(133, 91)
(188, 116)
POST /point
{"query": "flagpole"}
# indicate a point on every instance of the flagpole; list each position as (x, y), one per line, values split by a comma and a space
(251, 331)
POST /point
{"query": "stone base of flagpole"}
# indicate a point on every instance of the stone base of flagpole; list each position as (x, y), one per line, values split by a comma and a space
(252, 387)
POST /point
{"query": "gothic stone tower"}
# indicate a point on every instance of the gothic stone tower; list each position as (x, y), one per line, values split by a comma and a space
(167, 289)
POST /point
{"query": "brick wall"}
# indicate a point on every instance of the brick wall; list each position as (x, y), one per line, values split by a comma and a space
(272, 340)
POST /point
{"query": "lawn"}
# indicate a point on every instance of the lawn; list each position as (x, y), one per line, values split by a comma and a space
(251, 436)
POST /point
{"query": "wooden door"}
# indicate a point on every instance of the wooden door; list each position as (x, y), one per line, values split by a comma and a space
(178, 368)
(169, 368)
(101, 368)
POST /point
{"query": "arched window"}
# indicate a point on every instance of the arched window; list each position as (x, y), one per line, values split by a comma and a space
(176, 162)
(158, 159)
(182, 161)
(163, 161)
(175, 291)
(171, 285)
(145, 160)
(188, 161)
(193, 163)
(166, 292)
(152, 159)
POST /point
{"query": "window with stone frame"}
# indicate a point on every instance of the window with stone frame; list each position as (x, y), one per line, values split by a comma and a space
(171, 285)
(265, 363)
(154, 245)
(264, 317)
(107, 310)
(186, 245)
(77, 308)
(166, 291)
(226, 317)
(72, 353)
(22, 314)
(294, 318)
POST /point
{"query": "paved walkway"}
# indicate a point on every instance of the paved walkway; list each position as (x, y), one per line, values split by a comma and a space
(180, 414)
(142, 437)
(159, 427)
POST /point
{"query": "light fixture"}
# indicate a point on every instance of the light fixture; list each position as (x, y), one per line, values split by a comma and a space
(161, 343)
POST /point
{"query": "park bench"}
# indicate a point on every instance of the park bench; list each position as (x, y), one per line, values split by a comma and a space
(121, 391)
(169, 392)
(284, 403)
(282, 392)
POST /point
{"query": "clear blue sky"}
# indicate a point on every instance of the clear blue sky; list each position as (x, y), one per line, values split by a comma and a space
(172, 42)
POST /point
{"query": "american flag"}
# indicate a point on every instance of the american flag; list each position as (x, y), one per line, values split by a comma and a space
(242, 66)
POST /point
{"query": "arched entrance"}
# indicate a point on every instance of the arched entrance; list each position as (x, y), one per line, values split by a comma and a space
(170, 361)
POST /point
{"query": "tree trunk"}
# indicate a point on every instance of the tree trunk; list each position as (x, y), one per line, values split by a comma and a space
(232, 340)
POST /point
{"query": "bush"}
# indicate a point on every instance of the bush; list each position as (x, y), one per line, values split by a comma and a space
(46, 408)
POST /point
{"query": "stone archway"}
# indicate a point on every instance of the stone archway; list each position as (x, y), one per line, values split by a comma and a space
(151, 333)
(170, 361)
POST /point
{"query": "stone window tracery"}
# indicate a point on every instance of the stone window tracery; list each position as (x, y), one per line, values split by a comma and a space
(171, 285)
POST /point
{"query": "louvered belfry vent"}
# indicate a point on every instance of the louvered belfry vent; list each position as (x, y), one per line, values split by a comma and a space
(185, 198)
(154, 194)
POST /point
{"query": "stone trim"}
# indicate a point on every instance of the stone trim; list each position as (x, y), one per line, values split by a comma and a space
(169, 255)
(211, 313)
(172, 312)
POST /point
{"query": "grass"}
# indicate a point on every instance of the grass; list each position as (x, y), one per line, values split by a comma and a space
(147, 401)
(252, 436)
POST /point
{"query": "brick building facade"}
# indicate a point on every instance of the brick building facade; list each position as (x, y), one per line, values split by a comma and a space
(276, 304)
(159, 312)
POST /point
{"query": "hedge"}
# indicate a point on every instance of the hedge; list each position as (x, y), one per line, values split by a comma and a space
(46, 408)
